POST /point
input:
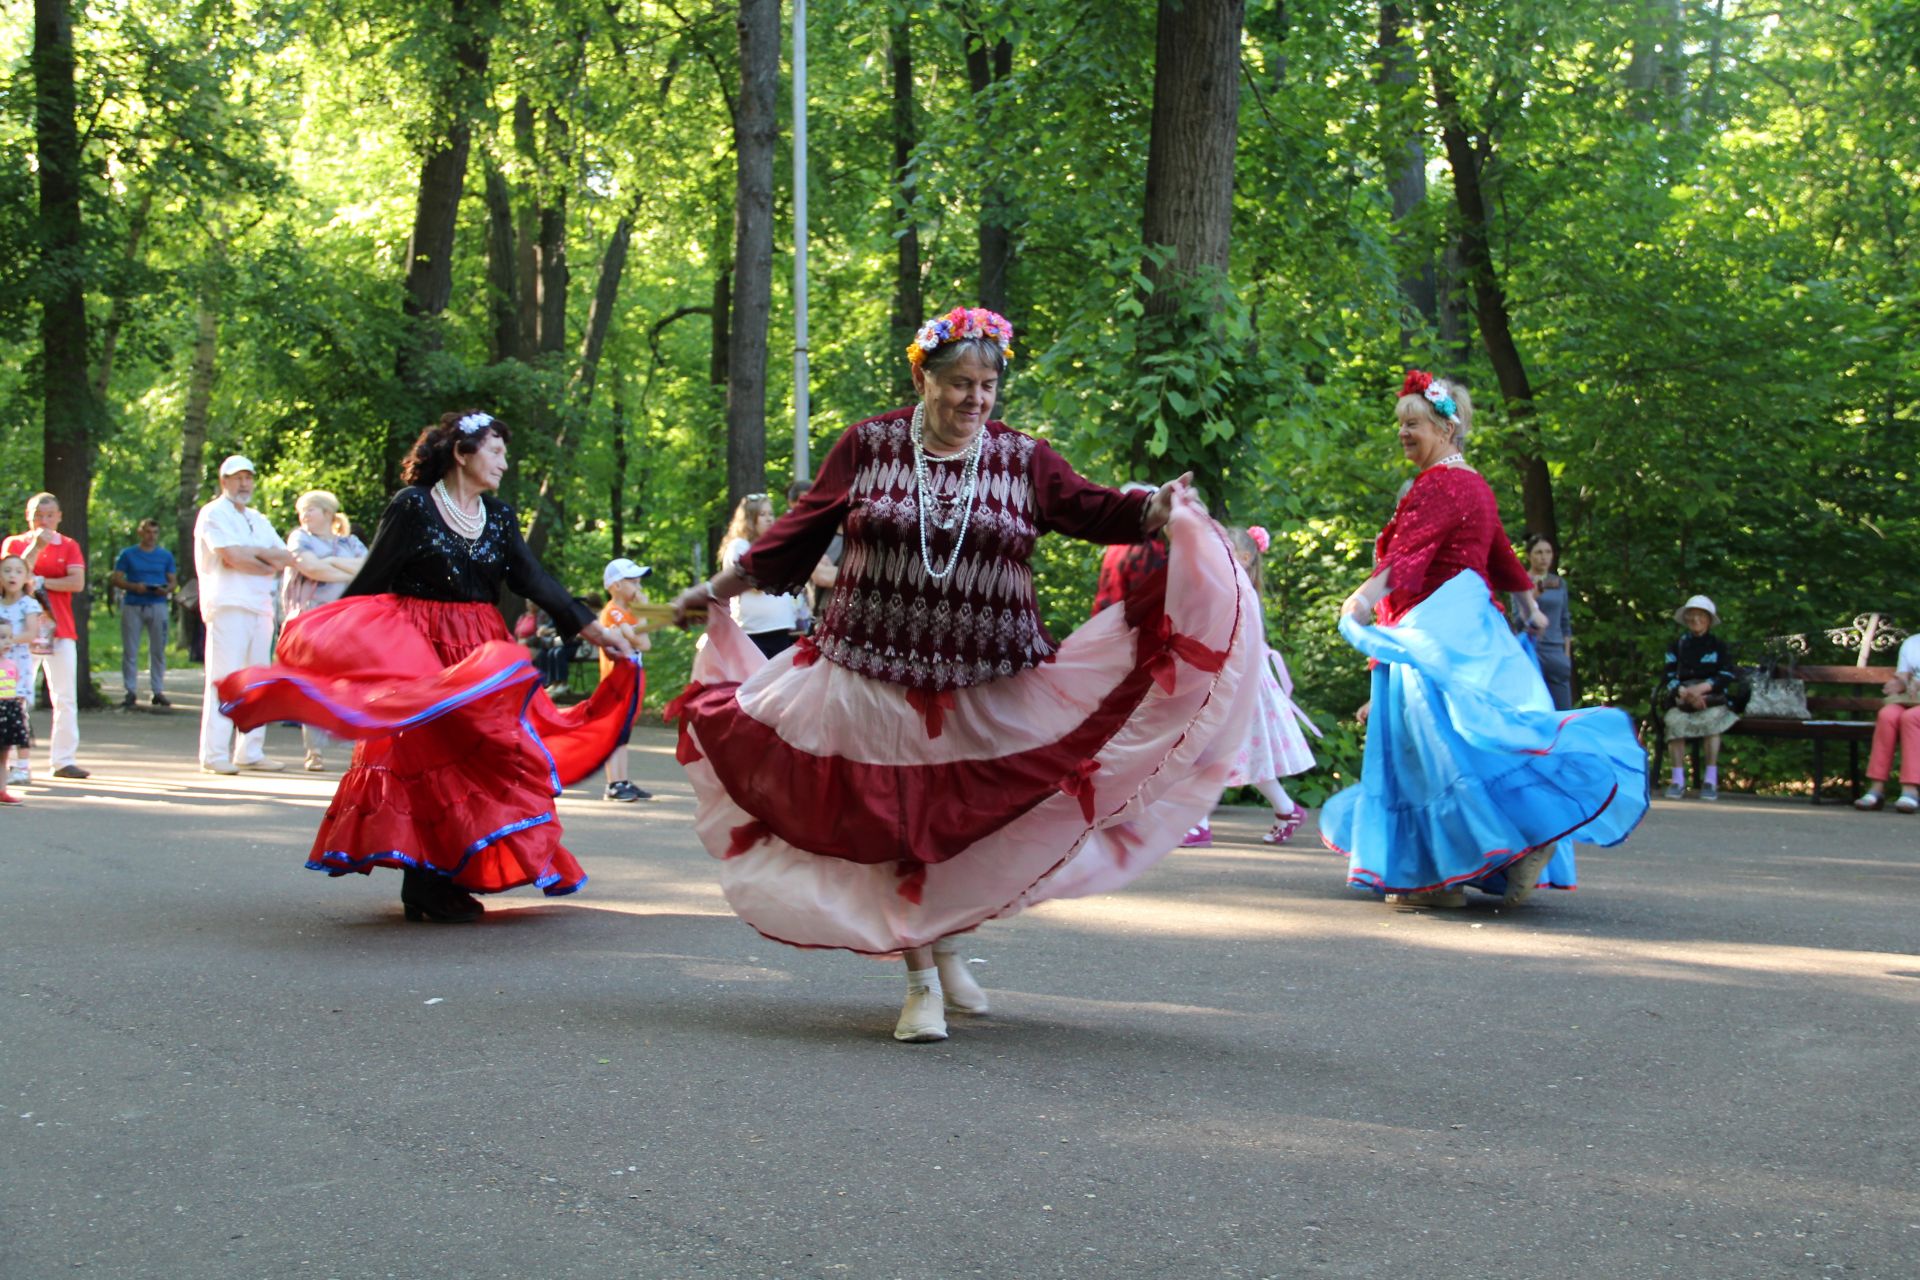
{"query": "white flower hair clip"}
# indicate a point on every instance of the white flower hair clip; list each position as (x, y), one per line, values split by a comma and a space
(474, 422)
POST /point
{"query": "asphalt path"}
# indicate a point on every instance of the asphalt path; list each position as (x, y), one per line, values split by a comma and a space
(1702, 1064)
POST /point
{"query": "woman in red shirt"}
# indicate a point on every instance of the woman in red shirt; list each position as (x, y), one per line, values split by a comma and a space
(1471, 777)
(930, 758)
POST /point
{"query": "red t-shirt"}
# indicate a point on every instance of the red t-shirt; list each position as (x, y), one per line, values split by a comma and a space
(54, 562)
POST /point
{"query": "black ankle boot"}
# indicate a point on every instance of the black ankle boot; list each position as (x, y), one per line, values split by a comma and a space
(434, 899)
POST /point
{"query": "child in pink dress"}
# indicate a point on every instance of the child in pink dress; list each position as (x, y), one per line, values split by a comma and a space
(1275, 748)
(13, 710)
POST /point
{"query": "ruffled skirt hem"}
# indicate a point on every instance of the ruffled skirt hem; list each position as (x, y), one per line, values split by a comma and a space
(858, 815)
(1468, 766)
(458, 752)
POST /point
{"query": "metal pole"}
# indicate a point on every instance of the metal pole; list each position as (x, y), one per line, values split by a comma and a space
(802, 464)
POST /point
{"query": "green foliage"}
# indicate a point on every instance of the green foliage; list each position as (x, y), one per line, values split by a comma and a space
(1710, 271)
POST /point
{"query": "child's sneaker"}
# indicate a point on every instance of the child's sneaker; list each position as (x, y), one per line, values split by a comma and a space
(7, 797)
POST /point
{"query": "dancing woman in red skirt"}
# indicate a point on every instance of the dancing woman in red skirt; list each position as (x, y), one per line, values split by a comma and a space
(459, 752)
(931, 758)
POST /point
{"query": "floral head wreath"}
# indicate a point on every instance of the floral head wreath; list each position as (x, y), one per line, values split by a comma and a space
(474, 422)
(959, 325)
(1419, 383)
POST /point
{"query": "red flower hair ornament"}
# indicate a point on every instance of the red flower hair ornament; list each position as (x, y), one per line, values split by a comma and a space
(1421, 383)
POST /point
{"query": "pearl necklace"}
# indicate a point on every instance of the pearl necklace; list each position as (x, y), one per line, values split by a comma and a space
(945, 513)
(467, 526)
(1450, 459)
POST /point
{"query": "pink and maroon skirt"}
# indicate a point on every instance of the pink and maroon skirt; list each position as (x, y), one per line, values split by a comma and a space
(852, 813)
(458, 751)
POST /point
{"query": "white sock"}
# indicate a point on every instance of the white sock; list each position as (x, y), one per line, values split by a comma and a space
(1276, 796)
(928, 978)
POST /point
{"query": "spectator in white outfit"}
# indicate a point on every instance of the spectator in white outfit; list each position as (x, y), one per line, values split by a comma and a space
(237, 557)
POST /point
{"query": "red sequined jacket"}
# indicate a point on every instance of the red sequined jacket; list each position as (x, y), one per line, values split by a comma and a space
(887, 619)
(1447, 522)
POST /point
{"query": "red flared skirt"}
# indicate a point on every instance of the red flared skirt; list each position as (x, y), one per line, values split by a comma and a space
(458, 751)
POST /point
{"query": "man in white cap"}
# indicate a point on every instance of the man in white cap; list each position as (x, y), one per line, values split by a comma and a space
(237, 557)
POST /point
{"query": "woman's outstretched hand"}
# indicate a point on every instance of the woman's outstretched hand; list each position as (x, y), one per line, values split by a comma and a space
(607, 638)
(1160, 505)
(691, 604)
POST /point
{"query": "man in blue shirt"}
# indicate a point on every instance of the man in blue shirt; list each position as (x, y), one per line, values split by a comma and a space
(145, 574)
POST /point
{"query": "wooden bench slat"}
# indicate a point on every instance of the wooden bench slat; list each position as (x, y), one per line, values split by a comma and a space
(1843, 675)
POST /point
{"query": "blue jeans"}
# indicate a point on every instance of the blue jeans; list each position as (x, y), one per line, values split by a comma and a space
(152, 618)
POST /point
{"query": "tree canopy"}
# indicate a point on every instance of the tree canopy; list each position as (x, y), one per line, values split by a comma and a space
(1669, 244)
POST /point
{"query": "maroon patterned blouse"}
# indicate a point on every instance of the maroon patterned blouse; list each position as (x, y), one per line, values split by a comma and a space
(887, 619)
(1447, 522)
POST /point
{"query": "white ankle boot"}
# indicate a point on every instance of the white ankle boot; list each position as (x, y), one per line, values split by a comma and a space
(922, 1018)
(963, 994)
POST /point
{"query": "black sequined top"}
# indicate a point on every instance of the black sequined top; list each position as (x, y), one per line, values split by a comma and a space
(414, 553)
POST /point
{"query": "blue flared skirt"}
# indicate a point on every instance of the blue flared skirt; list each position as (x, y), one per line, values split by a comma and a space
(1468, 766)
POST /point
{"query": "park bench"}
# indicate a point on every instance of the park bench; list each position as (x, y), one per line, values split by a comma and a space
(1843, 700)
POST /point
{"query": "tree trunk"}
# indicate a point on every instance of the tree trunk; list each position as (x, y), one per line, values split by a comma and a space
(526, 262)
(985, 68)
(1490, 305)
(907, 302)
(503, 276)
(1455, 325)
(606, 292)
(1189, 215)
(754, 136)
(70, 414)
(617, 487)
(552, 252)
(1406, 166)
(429, 281)
(1656, 75)
(116, 312)
(193, 423)
(1196, 108)
(720, 307)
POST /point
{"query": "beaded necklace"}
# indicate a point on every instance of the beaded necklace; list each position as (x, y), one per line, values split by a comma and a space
(946, 513)
(467, 526)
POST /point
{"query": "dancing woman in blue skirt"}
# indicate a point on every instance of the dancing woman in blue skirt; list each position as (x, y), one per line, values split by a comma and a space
(1471, 777)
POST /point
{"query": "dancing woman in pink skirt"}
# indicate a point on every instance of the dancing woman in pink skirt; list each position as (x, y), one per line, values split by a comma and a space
(931, 758)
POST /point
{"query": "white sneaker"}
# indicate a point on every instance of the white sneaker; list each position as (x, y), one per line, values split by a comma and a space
(922, 1019)
(19, 776)
(1523, 877)
(264, 765)
(227, 767)
(963, 994)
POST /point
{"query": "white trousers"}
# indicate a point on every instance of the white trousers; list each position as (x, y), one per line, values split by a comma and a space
(59, 669)
(236, 638)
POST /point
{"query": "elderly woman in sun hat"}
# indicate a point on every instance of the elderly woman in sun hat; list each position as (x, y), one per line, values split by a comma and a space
(931, 758)
(1699, 670)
